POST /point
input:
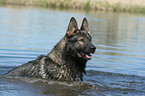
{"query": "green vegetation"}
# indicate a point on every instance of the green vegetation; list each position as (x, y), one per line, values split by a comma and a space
(2, 2)
(79, 4)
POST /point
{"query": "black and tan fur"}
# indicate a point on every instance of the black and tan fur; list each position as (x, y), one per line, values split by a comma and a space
(66, 61)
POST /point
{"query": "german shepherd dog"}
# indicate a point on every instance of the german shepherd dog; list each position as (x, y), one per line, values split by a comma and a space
(66, 61)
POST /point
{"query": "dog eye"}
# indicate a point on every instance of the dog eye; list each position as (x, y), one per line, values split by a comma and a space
(81, 40)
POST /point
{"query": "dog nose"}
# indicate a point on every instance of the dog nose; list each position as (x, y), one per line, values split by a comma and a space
(92, 49)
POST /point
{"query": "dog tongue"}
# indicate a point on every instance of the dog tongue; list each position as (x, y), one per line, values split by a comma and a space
(82, 55)
(88, 56)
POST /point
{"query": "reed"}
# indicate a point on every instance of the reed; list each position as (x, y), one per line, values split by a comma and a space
(81, 4)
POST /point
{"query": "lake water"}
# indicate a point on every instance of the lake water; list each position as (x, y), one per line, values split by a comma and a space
(116, 69)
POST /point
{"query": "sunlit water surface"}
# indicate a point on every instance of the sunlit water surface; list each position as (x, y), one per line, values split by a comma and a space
(117, 67)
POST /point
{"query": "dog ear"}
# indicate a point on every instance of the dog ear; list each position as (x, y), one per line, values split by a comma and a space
(85, 25)
(72, 27)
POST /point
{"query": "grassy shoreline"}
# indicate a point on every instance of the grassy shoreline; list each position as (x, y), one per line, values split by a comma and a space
(79, 4)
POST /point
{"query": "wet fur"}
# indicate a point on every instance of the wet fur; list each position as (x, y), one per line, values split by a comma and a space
(62, 63)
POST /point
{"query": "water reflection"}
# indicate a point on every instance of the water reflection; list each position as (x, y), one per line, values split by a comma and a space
(120, 41)
(115, 27)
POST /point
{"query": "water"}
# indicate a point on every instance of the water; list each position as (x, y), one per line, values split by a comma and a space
(116, 69)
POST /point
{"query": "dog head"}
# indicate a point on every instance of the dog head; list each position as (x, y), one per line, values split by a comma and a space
(78, 41)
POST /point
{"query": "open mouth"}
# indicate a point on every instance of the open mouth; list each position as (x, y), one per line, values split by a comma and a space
(83, 55)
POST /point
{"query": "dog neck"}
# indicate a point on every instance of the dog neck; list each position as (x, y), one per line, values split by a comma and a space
(55, 54)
